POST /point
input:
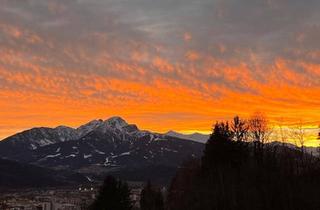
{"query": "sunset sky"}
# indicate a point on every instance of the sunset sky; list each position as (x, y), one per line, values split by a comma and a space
(162, 64)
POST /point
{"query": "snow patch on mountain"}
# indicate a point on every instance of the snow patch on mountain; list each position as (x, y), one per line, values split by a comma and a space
(124, 153)
(33, 147)
(44, 142)
(99, 152)
(52, 156)
(87, 156)
(72, 155)
(89, 179)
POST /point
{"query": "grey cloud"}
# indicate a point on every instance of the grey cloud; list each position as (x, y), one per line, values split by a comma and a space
(96, 36)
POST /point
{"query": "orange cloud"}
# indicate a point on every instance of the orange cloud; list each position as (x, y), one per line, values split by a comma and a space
(192, 55)
(162, 65)
(161, 105)
(187, 37)
(11, 30)
(19, 33)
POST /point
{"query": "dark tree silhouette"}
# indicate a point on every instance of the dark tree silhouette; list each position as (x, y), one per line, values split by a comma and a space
(229, 177)
(259, 131)
(220, 149)
(259, 128)
(318, 150)
(298, 133)
(151, 198)
(183, 190)
(239, 129)
(113, 195)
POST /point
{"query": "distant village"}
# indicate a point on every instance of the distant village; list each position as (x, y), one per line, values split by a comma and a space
(76, 198)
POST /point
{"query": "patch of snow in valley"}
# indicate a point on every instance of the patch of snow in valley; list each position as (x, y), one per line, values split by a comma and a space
(90, 180)
(33, 147)
(62, 139)
(125, 153)
(99, 152)
(106, 162)
(52, 156)
(170, 150)
(109, 163)
(87, 156)
(122, 154)
(72, 155)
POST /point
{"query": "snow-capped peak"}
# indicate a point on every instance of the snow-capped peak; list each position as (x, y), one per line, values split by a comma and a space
(116, 122)
(113, 124)
(90, 126)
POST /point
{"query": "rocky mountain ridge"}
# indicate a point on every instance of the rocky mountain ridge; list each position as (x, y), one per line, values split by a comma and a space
(99, 147)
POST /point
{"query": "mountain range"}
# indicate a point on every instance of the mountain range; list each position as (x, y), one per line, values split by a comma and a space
(103, 147)
(197, 137)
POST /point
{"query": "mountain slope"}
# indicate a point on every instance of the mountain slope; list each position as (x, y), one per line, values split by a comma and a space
(18, 175)
(110, 151)
(21, 145)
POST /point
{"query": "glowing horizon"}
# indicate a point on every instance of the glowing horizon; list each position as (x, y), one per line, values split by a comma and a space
(311, 132)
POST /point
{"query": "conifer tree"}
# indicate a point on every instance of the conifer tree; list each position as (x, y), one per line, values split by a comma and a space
(151, 198)
(113, 195)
